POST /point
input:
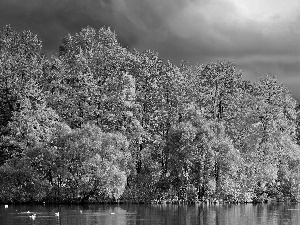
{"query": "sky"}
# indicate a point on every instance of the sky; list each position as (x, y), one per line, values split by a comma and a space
(259, 36)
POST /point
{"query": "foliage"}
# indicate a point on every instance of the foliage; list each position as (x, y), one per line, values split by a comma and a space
(100, 122)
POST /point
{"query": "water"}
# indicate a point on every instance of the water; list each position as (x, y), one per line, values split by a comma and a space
(248, 214)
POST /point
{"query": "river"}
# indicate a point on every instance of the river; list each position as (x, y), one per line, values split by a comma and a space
(243, 214)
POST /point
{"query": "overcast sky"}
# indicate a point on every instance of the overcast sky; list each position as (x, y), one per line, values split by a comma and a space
(260, 36)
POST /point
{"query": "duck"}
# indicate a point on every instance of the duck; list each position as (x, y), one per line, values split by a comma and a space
(32, 216)
(57, 214)
(6, 206)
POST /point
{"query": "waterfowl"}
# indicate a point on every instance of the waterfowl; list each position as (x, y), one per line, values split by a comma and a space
(57, 214)
(5, 206)
(33, 216)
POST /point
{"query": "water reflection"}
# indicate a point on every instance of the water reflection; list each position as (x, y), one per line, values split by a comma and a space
(260, 214)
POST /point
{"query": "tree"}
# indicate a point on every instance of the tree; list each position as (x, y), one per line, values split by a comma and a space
(197, 146)
(22, 68)
(90, 78)
(264, 130)
(87, 163)
(159, 93)
(214, 86)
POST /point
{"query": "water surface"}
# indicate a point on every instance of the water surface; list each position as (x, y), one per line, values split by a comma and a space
(248, 214)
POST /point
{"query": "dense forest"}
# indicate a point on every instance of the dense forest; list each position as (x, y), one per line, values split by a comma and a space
(102, 123)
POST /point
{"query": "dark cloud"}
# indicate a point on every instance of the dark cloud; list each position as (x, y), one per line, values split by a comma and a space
(194, 30)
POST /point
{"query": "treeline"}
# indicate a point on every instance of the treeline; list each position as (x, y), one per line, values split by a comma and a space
(99, 122)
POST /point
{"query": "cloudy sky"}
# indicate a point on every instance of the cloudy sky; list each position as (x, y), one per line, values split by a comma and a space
(260, 36)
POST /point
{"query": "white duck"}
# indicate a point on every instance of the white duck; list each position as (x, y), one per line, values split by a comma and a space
(32, 216)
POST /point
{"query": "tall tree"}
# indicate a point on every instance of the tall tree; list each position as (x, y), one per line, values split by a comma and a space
(22, 68)
(90, 79)
(159, 93)
(197, 146)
